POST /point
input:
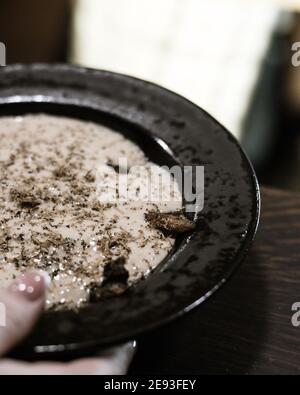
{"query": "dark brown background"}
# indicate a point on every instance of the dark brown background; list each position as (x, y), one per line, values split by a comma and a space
(35, 30)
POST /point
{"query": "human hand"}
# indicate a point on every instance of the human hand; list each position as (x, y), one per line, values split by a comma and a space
(24, 301)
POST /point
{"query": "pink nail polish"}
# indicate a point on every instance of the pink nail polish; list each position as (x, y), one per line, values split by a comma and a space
(30, 286)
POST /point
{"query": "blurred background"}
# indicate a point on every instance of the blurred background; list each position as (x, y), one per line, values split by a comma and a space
(231, 57)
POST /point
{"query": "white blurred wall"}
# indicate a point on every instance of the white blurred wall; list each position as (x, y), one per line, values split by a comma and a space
(207, 50)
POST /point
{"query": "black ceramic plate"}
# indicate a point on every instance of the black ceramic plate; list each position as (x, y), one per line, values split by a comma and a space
(170, 129)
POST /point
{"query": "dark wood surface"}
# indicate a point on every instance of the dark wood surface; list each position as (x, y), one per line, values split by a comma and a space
(246, 328)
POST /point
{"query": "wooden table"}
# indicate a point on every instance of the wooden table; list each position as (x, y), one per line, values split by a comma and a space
(246, 328)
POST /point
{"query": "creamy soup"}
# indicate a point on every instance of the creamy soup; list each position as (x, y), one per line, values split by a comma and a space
(63, 212)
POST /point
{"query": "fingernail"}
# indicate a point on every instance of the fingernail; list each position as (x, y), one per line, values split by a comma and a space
(46, 277)
(30, 286)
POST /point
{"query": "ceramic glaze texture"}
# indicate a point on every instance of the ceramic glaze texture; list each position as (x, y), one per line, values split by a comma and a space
(144, 112)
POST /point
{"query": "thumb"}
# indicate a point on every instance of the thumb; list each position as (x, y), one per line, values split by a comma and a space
(21, 305)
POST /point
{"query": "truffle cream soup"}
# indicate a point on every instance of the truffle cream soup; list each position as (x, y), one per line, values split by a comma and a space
(64, 213)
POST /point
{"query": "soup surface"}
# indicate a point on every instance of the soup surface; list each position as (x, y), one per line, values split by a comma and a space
(76, 199)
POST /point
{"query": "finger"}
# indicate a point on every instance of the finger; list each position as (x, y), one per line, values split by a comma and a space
(23, 302)
(115, 362)
(79, 367)
(120, 357)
